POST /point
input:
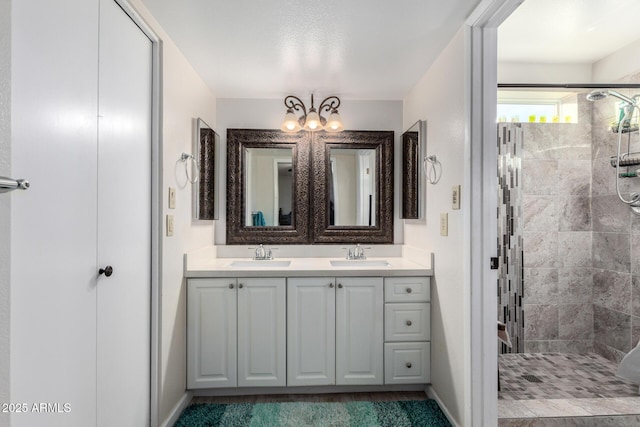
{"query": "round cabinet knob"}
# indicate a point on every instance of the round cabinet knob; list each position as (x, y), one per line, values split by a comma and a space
(230, 285)
(409, 290)
(409, 323)
(340, 285)
(107, 271)
(409, 364)
(240, 286)
(331, 285)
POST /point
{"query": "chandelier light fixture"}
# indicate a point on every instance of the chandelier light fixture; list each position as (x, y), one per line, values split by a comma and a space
(312, 120)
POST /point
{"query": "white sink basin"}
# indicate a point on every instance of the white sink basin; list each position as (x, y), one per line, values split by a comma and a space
(254, 263)
(359, 263)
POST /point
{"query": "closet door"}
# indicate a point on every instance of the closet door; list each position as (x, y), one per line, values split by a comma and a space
(124, 220)
(54, 62)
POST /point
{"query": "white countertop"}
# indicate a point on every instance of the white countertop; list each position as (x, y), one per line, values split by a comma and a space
(197, 265)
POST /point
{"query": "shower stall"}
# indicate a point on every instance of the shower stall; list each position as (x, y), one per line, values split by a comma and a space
(569, 248)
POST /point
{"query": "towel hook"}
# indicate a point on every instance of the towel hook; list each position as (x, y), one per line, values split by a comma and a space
(433, 174)
(185, 159)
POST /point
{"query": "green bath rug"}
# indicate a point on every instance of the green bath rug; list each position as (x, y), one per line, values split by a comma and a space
(408, 413)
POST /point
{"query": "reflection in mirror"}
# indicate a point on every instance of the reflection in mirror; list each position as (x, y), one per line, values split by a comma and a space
(413, 142)
(352, 189)
(269, 187)
(206, 141)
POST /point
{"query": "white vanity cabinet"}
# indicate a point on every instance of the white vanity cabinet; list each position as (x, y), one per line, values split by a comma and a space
(236, 331)
(335, 331)
(407, 348)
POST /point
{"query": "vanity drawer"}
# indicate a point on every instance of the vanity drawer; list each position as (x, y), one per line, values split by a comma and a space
(407, 322)
(407, 289)
(407, 363)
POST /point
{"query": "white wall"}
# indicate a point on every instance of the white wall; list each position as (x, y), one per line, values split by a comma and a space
(185, 97)
(5, 170)
(268, 114)
(521, 72)
(440, 99)
(624, 62)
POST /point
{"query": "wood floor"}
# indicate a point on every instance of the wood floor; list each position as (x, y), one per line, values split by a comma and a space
(328, 397)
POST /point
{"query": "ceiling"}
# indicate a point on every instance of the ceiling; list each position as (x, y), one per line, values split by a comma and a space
(372, 49)
(568, 31)
(356, 49)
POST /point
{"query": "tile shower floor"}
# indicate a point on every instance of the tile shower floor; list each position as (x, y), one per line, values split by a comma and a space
(562, 385)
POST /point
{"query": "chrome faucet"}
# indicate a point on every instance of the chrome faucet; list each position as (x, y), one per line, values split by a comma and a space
(356, 253)
(262, 253)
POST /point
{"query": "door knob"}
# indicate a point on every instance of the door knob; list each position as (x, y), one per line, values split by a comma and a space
(409, 323)
(107, 271)
(409, 365)
(331, 285)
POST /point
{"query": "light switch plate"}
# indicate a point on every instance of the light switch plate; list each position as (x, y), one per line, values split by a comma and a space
(455, 197)
(444, 224)
(169, 225)
(172, 198)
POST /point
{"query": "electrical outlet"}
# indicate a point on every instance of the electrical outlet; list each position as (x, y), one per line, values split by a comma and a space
(455, 197)
(444, 224)
(169, 225)
(172, 198)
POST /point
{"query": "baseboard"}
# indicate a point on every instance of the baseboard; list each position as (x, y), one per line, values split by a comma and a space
(177, 410)
(244, 391)
(433, 395)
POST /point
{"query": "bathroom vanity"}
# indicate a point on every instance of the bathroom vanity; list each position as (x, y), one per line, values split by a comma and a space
(306, 322)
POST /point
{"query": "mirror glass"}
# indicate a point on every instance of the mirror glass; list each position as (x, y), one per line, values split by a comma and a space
(269, 187)
(206, 142)
(413, 142)
(352, 187)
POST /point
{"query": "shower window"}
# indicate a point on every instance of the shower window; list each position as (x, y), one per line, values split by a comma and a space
(537, 106)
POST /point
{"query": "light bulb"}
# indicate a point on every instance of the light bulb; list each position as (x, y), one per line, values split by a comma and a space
(313, 121)
(334, 123)
(290, 123)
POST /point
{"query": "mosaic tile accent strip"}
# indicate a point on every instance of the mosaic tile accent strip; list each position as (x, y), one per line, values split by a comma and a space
(562, 376)
(510, 247)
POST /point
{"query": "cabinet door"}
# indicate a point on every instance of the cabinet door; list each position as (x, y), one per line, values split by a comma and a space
(359, 330)
(261, 332)
(311, 331)
(211, 333)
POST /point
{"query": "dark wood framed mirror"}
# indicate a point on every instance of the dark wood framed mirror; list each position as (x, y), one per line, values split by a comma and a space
(267, 186)
(412, 186)
(353, 187)
(206, 144)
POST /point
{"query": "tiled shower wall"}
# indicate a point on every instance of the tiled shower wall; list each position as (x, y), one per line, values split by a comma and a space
(581, 244)
(616, 239)
(557, 230)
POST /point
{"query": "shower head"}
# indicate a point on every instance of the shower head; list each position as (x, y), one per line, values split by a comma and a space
(597, 95)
